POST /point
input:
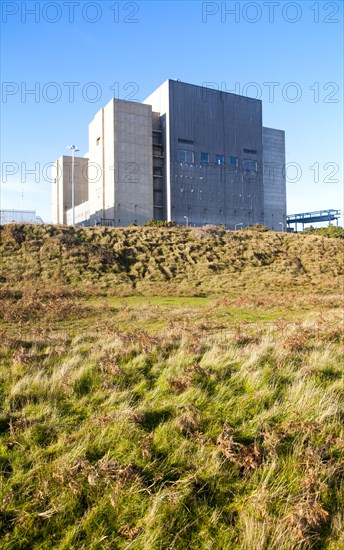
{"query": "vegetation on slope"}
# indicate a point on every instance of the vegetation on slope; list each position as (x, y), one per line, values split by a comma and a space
(168, 260)
(181, 408)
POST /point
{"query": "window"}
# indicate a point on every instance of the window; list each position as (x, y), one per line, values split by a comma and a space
(250, 165)
(219, 159)
(233, 161)
(185, 156)
(186, 141)
(205, 158)
(250, 151)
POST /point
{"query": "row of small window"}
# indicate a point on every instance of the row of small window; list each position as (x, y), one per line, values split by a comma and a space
(189, 157)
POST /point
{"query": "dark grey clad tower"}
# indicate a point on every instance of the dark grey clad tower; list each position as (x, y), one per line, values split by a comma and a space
(213, 156)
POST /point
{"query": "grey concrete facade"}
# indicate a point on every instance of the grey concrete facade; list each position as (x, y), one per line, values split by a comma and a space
(217, 127)
(120, 168)
(62, 186)
(159, 100)
(186, 154)
(274, 179)
(120, 146)
(220, 125)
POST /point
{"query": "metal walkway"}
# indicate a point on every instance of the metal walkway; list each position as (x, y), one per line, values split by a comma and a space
(313, 217)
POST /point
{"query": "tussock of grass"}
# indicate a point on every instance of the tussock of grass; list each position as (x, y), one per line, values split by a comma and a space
(176, 422)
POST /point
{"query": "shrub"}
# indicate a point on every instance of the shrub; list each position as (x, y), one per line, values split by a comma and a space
(258, 227)
(159, 223)
(330, 231)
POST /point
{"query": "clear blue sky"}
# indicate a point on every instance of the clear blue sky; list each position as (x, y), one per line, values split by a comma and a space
(127, 49)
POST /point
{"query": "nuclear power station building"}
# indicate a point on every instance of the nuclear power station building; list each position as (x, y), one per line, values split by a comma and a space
(187, 154)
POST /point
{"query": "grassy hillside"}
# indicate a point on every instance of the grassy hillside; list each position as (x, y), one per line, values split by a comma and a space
(170, 389)
(169, 261)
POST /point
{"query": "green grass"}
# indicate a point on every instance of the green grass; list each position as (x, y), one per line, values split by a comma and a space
(190, 412)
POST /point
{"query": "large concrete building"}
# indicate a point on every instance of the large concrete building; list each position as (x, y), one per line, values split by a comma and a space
(186, 154)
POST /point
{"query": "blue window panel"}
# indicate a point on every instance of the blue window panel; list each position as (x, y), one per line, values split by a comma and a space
(250, 165)
(186, 156)
(233, 161)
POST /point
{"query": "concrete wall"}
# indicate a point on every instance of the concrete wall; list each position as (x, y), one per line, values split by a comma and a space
(133, 163)
(62, 186)
(216, 123)
(219, 123)
(120, 144)
(96, 147)
(275, 203)
(102, 161)
(159, 100)
(81, 214)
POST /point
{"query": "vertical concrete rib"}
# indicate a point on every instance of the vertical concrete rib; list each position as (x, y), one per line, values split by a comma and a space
(168, 156)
